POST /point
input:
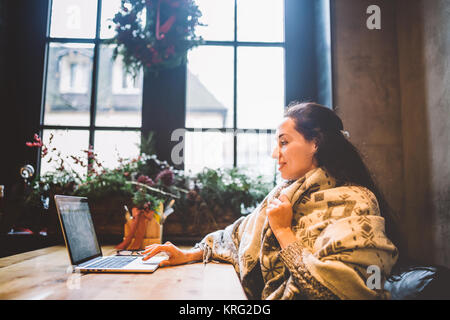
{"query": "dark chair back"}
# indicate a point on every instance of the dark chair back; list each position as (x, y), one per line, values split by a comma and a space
(420, 283)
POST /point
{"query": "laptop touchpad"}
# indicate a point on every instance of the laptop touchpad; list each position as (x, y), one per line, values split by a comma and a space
(155, 259)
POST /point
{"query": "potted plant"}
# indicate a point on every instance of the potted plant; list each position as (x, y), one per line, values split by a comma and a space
(217, 197)
(141, 183)
(144, 188)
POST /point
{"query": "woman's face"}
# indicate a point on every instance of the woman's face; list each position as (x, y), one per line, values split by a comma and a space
(294, 153)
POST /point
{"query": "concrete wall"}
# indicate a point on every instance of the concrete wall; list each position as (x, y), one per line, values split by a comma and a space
(424, 61)
(391, 87)
(366, 94)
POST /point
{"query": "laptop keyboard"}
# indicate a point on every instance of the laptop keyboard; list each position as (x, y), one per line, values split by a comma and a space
(112, 262)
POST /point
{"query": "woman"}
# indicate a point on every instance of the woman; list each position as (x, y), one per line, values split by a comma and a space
(317, 235)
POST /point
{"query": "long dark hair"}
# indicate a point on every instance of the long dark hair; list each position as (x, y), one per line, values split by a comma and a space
(340, 157)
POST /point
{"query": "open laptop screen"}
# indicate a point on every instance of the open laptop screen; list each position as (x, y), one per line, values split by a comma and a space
(78, 228)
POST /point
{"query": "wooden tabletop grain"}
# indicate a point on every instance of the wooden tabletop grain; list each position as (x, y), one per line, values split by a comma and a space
(47, 274)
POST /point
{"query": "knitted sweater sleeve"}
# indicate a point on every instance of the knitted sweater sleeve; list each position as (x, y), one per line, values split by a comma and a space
(221, 245)
(292, 256)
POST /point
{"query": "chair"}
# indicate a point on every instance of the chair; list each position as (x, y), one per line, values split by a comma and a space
(420, 283)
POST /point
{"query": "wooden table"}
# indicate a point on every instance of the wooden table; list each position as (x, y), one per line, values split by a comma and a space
(46, 274)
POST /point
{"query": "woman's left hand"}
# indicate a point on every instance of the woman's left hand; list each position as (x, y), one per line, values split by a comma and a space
(279, 213)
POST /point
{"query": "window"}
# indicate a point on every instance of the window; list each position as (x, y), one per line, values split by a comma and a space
(236, 86)
(122, 82)
(73, 69)
(88, 98)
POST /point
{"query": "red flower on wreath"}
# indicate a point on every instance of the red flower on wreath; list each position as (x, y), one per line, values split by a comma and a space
(163, 41)
(37, 142)
(146, 180)
(166, 176)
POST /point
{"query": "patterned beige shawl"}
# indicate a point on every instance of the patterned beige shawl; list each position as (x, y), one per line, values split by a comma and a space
(339, 229)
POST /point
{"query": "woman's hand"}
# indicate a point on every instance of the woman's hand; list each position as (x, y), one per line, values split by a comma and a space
(279, 213)
(176, 255)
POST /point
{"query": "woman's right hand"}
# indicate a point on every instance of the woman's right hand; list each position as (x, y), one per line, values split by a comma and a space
(176, 255)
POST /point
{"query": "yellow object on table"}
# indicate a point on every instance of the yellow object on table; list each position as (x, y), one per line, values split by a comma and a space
(147, 232)
(153, 234)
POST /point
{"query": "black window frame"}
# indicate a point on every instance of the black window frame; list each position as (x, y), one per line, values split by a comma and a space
(307, 56)
(26, 24)
(235, 44)
(302, 63)
(97, 41)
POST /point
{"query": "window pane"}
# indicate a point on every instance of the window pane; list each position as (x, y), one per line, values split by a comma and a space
(209, 100)
(260, 87)
(112, 145)
(68, 89)
(254, 152)
(218, 15)
(212, 149)
(260, 20)
(68, 143)
(109, 10)
(73, 18)
(119, 96)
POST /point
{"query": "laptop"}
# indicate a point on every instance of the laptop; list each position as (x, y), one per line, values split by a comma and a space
(81, 241)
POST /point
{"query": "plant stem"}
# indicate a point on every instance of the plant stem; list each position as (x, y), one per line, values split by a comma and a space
(154, 189)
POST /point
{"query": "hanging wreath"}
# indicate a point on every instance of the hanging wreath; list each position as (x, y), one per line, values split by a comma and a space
(155, 34)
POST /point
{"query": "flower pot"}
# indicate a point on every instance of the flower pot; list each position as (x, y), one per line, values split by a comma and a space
(141, 229)
(152, 234)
